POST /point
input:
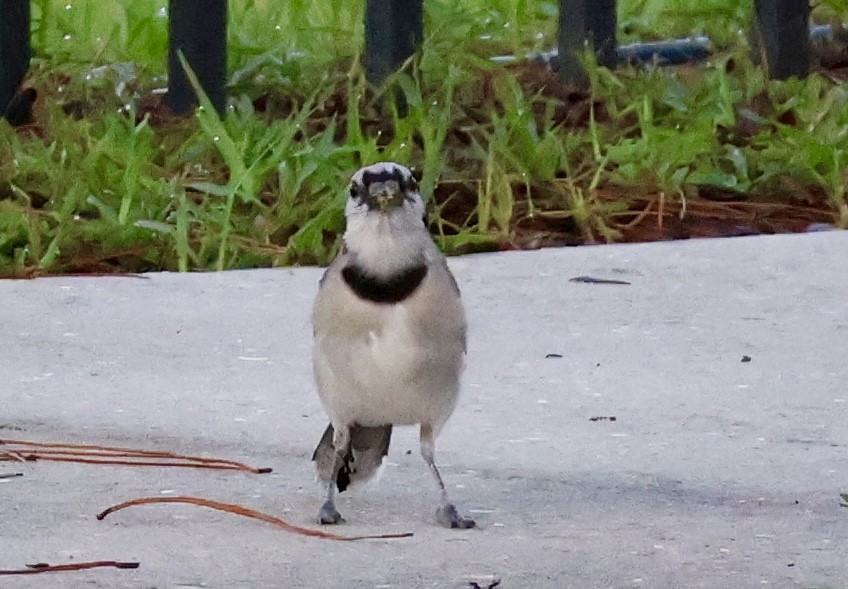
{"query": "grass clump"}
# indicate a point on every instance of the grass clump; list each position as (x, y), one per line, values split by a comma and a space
(105, 180)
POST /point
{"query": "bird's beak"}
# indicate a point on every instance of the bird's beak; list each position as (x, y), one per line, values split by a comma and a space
(384, 197)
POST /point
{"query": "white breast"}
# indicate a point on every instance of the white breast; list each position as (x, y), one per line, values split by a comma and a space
(386, 374)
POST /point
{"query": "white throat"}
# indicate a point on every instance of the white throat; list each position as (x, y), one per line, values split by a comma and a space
(385, 244)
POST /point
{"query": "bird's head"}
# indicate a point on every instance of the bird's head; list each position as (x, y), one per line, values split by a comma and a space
(385, 188)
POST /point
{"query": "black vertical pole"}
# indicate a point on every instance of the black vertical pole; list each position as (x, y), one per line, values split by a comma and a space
(585, 24)
(781, 39)
(394, 29)
(14, 48)
(198, 28)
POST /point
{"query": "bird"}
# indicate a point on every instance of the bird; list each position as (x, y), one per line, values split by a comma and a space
(389, 337)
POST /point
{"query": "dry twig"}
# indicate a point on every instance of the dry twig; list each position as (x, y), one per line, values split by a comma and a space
(246, 512)
(24, 450)
(43, 567)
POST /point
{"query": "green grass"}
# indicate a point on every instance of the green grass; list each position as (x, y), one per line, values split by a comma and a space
(100, 183)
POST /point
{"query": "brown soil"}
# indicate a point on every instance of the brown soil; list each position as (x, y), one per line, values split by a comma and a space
(649, 217)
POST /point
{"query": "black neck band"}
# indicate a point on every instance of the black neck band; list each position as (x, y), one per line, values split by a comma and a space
(394, 289)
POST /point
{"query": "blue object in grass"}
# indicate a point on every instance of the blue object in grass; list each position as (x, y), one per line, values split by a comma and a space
(673, 52)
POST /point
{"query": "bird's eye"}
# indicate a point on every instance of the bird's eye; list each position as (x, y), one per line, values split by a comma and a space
(354, 190)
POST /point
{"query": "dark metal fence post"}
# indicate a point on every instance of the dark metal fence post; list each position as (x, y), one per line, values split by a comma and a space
(14, 48)
(584, 24)
(781, 39)
(198, 28)
(394, 29)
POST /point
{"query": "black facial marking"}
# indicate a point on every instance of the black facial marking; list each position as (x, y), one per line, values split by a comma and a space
(404, 182)
(394, 289)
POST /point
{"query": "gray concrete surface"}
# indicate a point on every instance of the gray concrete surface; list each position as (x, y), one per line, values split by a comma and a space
(715, 473)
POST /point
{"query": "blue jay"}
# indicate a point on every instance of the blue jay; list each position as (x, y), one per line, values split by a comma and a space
(389, 337)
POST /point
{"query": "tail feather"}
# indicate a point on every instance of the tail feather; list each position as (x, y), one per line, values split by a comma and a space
(368, 446)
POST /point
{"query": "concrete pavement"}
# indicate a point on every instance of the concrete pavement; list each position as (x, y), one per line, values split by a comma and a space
(716, 472)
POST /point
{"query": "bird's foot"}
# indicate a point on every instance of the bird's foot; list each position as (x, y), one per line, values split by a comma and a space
(449, 517)
(329, 514)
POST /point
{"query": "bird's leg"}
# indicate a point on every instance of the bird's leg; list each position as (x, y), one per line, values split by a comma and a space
(328, 513)
(341, 440)
(446, 514)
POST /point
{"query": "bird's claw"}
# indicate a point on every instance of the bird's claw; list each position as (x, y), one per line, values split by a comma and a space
(449, 517)
(329, 515)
